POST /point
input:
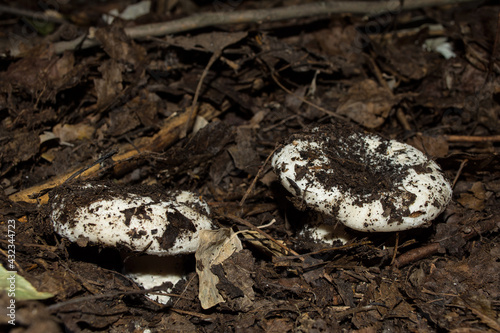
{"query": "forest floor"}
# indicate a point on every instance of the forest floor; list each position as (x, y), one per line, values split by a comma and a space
(201, 107)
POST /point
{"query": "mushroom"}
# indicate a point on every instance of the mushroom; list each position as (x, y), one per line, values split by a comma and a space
(327, 234)
(138, 220)
(366, 182)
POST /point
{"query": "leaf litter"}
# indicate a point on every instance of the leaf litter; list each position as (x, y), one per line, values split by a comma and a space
(140, 98)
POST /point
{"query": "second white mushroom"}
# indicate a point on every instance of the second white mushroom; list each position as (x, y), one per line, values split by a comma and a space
(366, 182)
(157, 225)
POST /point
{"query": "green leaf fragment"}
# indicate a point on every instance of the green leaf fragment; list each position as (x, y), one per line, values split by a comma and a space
(17, 286)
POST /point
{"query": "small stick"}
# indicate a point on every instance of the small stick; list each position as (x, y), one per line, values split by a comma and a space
(184, 291)
(288, 91)
(98, 161)
(416, 254)
(167, 136)
(252, 185)
(57, 306)
(494, 52)
(19, 269)
(432, 248)
(39, 16)
(329, 249)
(213, 58)
(260, 16)
(395, 249)
(400, 115)
(378, 73)
(263, 233)
(472, 138)
(459, 172)
(353, 311)
(194, 105)
(194, 314)
(40, 246)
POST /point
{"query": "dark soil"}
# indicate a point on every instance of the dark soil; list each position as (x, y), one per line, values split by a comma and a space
(134, 113)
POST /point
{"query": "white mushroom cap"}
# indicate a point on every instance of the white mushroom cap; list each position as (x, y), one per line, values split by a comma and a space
(327, 234)
(366, 182)
(105, 215)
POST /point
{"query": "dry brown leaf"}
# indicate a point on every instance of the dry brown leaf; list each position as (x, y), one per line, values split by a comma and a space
(21, 147)
(120, 47)
(215, 247)
(475, 200)
(42, 73)
(367, 103)
(244, 155)
(110, 85)
(433, 146)
(69, 133)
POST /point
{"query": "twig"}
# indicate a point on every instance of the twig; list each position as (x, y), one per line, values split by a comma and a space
(208, 19)
(281, 122)
(184, 290)
(57, 306)
(432, 248)
(378, 73)
(329, 249)
(41, 16)
(288, 91)
(491, 322)
(395, 248)
(459, 172)
(471, 138)
(202, 316)
(214, 57)
(254, 228)
(254, 181)
(19, 269)
(400, 115)
(98, 161)
(194, 107)
(416, 254)
(352, 311)
(168, 135)
(496, 46)
(40, 246)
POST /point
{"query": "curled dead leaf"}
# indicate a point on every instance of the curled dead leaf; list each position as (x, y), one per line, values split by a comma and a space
(367, 103)
(215, 247)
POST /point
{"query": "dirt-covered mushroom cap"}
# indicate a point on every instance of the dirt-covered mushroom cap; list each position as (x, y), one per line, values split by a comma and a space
(363, 180)
(110, 215)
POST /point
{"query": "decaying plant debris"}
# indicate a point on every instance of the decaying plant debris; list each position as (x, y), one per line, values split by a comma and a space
(203, 109)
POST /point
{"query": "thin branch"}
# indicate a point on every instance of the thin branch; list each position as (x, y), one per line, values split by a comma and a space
(193, 110)
(154, 291)
(202, 316)
(395, 249)
(122, 162)
(325, 250)
(254, 181)
(263, 233)
(432, 248)
(98, 161)
(471, 138)
(208, 19)
(459, 172)
(303, 100)
(39, 16)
